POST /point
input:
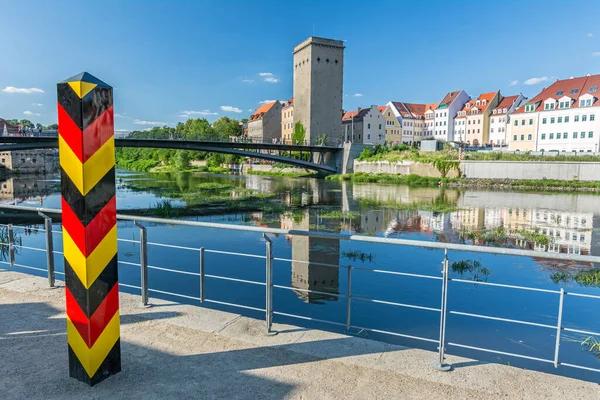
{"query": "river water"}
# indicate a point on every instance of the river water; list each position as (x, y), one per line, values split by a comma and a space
(570, 223)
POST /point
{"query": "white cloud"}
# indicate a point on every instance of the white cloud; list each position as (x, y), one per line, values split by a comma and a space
(187, 114)
(37, 104)
(513, 83)
(12, 89)
(266, 101)
(31, 114)
(248, 81)
(251, 109)
(596, 54)
(154, 123)
(231, 109)
(118, 115)
(357, 95)
(590, 34)
(269, 77)
(271, 80)
(535, 81)
(266, 74)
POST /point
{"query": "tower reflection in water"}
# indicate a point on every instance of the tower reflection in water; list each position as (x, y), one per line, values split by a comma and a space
(310, 270)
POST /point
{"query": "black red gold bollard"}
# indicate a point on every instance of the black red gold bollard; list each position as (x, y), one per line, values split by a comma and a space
(89, 214)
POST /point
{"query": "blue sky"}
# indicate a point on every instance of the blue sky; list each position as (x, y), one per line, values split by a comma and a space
(164, 58)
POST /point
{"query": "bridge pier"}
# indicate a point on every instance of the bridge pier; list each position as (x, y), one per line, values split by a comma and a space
(351, 152)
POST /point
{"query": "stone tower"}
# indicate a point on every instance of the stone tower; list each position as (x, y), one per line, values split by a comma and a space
(318, 80)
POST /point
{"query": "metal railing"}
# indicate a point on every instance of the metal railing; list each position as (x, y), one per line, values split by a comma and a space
(268, 309)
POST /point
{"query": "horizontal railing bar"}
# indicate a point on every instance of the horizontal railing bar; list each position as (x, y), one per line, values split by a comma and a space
(232, 253)
(391, 303)
(128, 240)
(172, 246)
(515, 321)
(57, 252)
(397, 334)
(25, 266)
(382, 271)
(310, 291)
(308, 318)
(128, 263)
(224, 278)
(580, 367)
(328, 235)
(129, 286)
(581, 331)
(590, 296)
(30, 248)
(504, 285)
(59, 273)
(224, 303)
(310, 262)
(500, 352)
(173, 294)
(176, 271)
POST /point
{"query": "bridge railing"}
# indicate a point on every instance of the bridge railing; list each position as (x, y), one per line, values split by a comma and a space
(270, 309)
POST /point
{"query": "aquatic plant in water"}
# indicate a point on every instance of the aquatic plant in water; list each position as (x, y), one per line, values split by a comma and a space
(475, 267)
(358, 255)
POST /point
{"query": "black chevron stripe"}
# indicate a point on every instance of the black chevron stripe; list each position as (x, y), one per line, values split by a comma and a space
(84, 111)
(88, 206)
(90, 299)
(110, 366)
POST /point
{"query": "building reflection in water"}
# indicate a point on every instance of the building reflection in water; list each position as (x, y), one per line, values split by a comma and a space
(27, 188)
(309, 255)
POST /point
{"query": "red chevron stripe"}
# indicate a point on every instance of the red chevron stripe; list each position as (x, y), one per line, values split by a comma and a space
(97, 133)
(90, 329)
(70, 132)
(88, 237)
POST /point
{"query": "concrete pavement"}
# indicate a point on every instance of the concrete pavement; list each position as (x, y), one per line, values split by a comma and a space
(180, 351)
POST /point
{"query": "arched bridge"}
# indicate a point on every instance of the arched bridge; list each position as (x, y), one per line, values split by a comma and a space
(326, 156)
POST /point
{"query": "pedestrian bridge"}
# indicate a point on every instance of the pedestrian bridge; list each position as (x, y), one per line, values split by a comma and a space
(318, 158)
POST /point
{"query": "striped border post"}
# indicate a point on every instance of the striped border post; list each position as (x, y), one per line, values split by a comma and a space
(89, 214)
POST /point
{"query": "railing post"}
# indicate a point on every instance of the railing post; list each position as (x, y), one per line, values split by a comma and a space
(559, 326)
(269, 285)
(49, 248)
(11, 245)
(440, 365)
(348, 308)
(202, 275)
(143, 262)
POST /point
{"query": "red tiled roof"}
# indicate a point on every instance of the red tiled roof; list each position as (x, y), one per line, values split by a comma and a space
(262, 110)
(382, 109)
(507, 102)
(349, 114)
(449, 98)
(471, 104)
(564, 87)
(415, 110)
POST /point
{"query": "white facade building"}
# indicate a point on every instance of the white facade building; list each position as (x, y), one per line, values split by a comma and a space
(443, 124)
(500, 118)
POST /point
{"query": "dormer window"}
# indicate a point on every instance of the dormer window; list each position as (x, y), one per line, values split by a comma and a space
(495, 111)
(585, 102)
(484, 102)
(574, 91)
(560, 92)
(477, 103)
(468, 105)
(504, 110)
(529, 107)
(593, 88)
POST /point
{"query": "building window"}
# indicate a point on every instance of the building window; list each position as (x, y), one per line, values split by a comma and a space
(583, 118)
(515, 137)
(529, 137)
(522, 122)
(582, 135)
(551, 136)
(574, 135)
(379, 126)
(368, 126)
(543, 120)
(592, 117)
(590, 135)
(566, 119)
(558, 135)
(369, 136)
(576, 118)
(565, 135)
(543, 136)
(522, 137)
(560, 120)
(516, 123)
(492, 130)
(530, 121)
(3, 161)
(552, 120)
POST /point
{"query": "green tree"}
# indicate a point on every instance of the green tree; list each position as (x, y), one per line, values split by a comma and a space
(322, 140)
(299, 133)
(38, 125)
(225, 127)
(26, 122)
(182, 160)
(53, 126)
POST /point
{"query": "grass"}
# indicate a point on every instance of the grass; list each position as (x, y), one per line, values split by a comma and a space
(165, 209)
(409, 180)
(336, 214)
(281, 173)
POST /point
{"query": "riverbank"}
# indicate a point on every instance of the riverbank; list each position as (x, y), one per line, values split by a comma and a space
(499, 184)
(172, 350)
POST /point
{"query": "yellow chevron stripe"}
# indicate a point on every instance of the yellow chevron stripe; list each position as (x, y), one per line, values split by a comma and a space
(91, 359)
(82, 88)
(70, 163)
(88, 269)
(86, 175)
